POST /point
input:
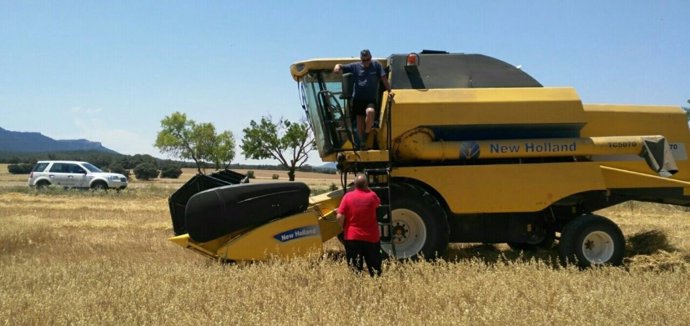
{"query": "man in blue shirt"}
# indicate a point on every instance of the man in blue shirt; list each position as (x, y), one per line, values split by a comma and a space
(367, 74)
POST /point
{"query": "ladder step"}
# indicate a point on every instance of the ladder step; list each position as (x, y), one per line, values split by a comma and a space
(376, 171)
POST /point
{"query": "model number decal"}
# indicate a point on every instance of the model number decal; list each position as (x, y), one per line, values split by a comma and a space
(678, 150)
(622, 144)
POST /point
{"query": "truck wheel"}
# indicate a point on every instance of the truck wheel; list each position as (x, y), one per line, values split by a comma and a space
(419, 225)
(42, 185)
(591, 240)
(99, 185)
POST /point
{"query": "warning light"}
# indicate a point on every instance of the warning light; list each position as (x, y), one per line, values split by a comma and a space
(412, 59)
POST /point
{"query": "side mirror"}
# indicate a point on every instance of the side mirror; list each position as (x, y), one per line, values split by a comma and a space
(348, 85)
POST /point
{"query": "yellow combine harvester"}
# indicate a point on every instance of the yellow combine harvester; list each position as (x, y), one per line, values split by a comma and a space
(471, 149)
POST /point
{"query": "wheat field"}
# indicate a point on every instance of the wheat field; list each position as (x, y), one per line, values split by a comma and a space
(94, 258)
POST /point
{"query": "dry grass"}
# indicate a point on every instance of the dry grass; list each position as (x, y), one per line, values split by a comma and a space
(75, 257)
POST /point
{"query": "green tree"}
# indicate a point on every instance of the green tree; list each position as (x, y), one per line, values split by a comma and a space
(285, 141)
(186, 139)
(146, 171)
(171, 172)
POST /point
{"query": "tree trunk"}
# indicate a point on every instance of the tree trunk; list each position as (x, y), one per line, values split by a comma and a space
(291, 174)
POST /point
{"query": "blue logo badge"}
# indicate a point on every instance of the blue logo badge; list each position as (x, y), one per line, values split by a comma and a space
(469, 151)
(305, 231)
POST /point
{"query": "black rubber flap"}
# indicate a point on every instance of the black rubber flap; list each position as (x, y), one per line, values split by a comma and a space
(216, 212)
(657, 154)
(198, 183)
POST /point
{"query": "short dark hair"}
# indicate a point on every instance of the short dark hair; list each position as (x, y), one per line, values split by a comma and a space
(365, 53)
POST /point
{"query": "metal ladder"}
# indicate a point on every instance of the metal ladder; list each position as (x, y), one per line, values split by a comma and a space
(379, 179)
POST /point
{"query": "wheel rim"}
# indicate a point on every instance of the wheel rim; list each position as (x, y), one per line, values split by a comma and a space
(408, 233)
(598, 247)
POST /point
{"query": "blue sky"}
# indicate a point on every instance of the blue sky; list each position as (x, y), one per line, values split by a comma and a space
(109, 71)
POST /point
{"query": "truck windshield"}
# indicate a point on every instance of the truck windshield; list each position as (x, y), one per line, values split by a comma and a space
(321, 92)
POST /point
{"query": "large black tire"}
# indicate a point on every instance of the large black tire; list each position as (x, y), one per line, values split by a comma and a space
(591, 240)
(419, 224)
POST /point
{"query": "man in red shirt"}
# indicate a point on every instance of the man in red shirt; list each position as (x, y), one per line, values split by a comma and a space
(357, 217)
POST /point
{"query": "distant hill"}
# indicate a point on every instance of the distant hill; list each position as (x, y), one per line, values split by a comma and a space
(328, 166)
(31, 142)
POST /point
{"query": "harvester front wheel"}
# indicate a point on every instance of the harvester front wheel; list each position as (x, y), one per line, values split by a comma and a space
(419, 224)
(591, 240)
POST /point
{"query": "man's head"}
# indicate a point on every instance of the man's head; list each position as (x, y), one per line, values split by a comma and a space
(361, 182)
(365, 56)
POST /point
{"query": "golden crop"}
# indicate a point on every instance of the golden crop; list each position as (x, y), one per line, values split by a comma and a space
(91, 258)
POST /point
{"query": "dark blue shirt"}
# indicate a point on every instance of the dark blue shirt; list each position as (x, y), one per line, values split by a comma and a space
(366, 79)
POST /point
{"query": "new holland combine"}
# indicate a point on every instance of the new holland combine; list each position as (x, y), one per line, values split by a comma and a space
(470, 149)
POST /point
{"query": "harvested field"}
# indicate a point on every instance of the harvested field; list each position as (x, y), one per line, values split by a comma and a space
(82, 257)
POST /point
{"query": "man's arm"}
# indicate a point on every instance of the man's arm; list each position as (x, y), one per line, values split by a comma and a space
(341, 68)
(341, 220)
(386, 84)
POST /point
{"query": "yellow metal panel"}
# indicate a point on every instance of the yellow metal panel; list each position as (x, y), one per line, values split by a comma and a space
(327, 204)
(366, 156)
(301, 68)
(329, 226)
(506, 188)
(293, 236)
(619, 120)
(484, 106)
(619, 178)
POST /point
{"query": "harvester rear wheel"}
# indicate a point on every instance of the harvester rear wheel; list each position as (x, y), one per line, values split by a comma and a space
(419, 224)
(591, 240)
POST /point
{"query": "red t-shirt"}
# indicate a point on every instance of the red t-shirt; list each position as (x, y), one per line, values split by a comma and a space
(359, 208)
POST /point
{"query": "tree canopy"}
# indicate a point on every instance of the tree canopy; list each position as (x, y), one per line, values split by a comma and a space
(286, 141)
(183, 138)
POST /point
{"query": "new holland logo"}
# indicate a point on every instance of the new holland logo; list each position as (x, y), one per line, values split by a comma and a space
(469, 151)
(305, 231)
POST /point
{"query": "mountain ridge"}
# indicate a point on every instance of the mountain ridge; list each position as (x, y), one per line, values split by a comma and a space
(31, 142)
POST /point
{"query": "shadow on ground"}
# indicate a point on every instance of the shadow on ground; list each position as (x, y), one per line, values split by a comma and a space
(639, 245)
